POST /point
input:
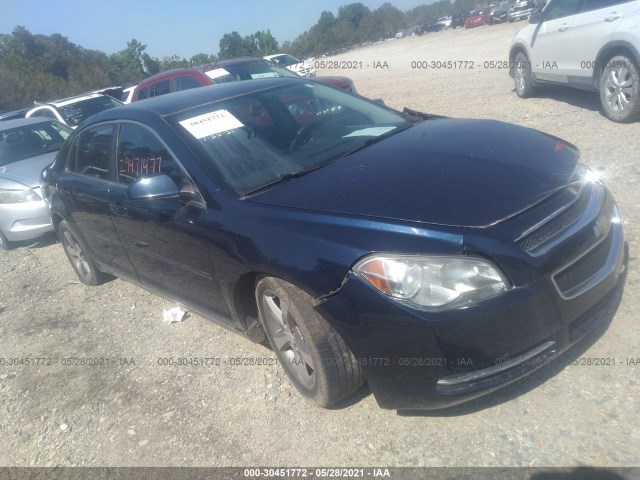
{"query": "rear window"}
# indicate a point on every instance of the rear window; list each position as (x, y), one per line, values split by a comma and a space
(74, 113)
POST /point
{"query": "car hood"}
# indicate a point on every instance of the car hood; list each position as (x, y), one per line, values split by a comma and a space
(442, 171)
(27, 171)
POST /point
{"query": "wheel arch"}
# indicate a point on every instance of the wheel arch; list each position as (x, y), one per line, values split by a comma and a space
(609, 51)
(513, 51)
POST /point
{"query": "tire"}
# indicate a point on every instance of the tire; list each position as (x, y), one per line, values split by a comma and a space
(620, 90)
(313, 355)
(523, 78)
(79, 257)
(6, 244)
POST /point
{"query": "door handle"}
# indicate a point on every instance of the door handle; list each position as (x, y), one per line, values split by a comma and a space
(564, 27)
(613, 16)
(118, 209)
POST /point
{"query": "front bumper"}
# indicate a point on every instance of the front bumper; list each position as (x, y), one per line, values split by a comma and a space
(420, 360)
(25, 221)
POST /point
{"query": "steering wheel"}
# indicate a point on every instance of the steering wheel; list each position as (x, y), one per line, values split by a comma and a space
(303, 135)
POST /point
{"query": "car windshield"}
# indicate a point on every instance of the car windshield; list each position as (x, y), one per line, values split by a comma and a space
(31, 140)
(76, 112)
(255, 140)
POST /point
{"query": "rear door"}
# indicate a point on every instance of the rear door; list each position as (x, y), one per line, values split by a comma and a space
(166, 239)
(590, 30)
(84, 187)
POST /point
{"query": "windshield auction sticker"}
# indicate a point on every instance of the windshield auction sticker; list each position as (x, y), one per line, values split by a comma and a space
(211, 124)
(217, 73)
(370, 132)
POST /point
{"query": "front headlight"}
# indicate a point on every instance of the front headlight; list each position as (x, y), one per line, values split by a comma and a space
(433, 282)
(18, 196)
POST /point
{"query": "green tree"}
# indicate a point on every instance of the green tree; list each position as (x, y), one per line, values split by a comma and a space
(232, 45)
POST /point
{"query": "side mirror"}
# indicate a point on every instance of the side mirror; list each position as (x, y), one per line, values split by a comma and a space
(150, 188)
(536, 17)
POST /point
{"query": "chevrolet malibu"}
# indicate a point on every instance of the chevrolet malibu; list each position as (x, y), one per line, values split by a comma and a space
(436, 259)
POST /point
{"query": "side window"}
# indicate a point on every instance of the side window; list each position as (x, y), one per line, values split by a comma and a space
(141, 154)
(90, 152)
(185, 83)
(561, 8)
(144, 93)
(162, 88)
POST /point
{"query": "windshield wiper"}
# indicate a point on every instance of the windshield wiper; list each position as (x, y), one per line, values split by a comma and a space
(371, 141)
(286, 177)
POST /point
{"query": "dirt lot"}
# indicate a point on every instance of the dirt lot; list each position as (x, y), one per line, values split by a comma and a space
(135, 412)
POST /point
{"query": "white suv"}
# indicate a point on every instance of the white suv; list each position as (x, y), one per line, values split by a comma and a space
(588, 44)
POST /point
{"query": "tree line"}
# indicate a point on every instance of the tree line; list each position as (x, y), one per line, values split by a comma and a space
(43, 67)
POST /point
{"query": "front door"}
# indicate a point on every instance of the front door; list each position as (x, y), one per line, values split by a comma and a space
(166, 239)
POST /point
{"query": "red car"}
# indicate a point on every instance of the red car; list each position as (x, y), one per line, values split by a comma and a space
(478, 18)
(246, 68)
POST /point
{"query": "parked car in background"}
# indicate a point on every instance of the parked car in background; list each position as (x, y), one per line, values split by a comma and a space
(521, 9)
(290, 62)
(14, 114)
(73, 110)
(436, 258)
(498, 13)
(477, 19)
(430, 28)
(27, 146)
(585, 45)
(250, 68)
(446, 21)
(399, 35)
(174, 80)
(457, 19)
(224, 71)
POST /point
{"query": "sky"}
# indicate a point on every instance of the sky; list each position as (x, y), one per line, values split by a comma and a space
(169, 27)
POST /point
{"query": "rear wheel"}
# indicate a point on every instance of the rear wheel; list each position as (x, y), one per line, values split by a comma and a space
(314, 356)
(620, 90)
(523, 77)
(79, 256)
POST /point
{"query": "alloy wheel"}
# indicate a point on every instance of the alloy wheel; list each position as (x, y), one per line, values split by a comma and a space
(76, 256)
(288, 339)
(619, 87)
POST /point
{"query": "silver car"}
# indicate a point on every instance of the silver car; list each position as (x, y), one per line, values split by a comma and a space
(27, 146)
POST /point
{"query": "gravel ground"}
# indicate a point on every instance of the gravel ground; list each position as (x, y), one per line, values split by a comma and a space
(135, 412)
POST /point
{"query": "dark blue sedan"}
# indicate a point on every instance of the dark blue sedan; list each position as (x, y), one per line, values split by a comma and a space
(437, 259)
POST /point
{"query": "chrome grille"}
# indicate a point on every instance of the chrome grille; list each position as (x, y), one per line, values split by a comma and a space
(557, 223)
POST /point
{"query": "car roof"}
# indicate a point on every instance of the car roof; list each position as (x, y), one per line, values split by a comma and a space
(236, 61)
(164, 105)
(21, 122)
(167, 73)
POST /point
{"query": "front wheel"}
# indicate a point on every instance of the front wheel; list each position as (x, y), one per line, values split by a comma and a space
(78, 256)
(620, 90)
(314, 356)
(523, 77)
